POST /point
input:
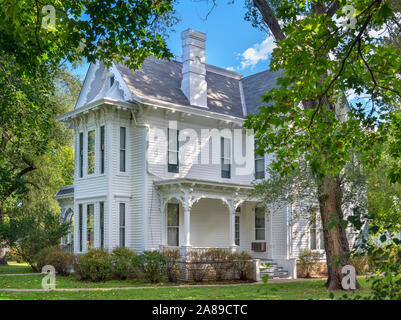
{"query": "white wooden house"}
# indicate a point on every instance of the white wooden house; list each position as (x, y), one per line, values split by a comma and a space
(122, 197)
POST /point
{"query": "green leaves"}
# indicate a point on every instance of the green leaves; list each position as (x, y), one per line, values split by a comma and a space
(114, 30)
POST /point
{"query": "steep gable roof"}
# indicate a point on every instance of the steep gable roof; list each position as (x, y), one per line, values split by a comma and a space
(161, 80)
(254, 86)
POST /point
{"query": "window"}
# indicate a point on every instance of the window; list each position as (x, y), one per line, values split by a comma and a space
(259, 223)
(316, 235)
(101, 223)
(90, 230)
(173, 224)
(122, 224)
(237, 230)
(225, 158)
(91, 152)
(312, 235)
(80, 227)
(173, 149)
(259, 165)
(102, 149)
(122, 148)
(111, 81)
(81, 154)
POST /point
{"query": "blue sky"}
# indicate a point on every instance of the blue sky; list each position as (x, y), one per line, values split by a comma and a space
(231, 41)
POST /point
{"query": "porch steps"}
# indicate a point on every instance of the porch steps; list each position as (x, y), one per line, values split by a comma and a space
(274, 270)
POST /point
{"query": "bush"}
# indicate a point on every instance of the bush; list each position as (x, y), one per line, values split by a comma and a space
(242, 265)
(198, 264)
(62, 261)
(123, 263)
(42, 229)
(360, 263)
(308, 262)
(153, 265)
(173, 268)
(221, 260)
(95, 265)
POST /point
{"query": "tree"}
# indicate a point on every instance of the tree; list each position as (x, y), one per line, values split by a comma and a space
(36, 39)
(304, 119)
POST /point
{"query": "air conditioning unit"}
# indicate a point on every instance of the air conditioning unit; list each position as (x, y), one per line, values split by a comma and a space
(259, 246)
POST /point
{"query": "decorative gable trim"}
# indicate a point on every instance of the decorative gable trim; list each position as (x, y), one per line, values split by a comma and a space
(98, 85)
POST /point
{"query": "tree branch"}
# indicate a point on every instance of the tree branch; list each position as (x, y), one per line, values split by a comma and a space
(270, 19)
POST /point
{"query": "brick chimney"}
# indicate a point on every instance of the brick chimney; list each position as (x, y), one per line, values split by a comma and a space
(193, 82)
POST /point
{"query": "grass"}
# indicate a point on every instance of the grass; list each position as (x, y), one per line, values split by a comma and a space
(303, 290)
(276, 291)
(14, 267)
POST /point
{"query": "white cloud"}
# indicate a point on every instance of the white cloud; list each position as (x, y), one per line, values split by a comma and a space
(258, 52)
(230, 68)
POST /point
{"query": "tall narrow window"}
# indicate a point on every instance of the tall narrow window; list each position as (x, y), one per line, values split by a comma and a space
(122, 224)
(259, 165)
(259, 223)
(237, 230)
(312, 236)
(81, 155)
(91, 152)
(173, 224)
(102, 149)
(315, 232)
(173, 150)
(111, 81)
(225, 158)
(90, 230)
(123, 142)
(80, 227)
(101, 223)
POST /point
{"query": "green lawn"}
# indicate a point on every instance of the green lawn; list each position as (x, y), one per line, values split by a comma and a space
(14, 267)
(276, 291)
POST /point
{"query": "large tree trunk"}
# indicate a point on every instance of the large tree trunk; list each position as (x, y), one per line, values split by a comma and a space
(3, 259)
(335, 239)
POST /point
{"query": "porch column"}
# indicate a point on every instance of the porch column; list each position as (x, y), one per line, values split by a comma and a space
(232, 227)
(187, 224)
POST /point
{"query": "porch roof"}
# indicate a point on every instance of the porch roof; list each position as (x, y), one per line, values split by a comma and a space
(228, 186)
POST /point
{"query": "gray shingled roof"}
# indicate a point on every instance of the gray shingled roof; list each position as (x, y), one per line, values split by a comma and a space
(255, 86)
(64, 191)
(161, 79)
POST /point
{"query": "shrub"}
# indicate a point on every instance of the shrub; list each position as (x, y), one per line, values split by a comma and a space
(153, 265)
(123, 263)
(41, 229)
(360, 263)
(221, 261)
(95, 265)
(308, 262)
(173, 268)
(62, 261)
(242, 265)
(198, 264)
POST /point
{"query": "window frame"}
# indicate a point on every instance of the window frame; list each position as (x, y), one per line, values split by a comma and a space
(123, 149)
(101, 223)
(90, 226)
(81, 154)
(80, 227)
(173, 227)
(173, 167)
(224, 158)
(264, 223)
(102, 148)
(259, 158)
(91, 154)
(122, 227)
